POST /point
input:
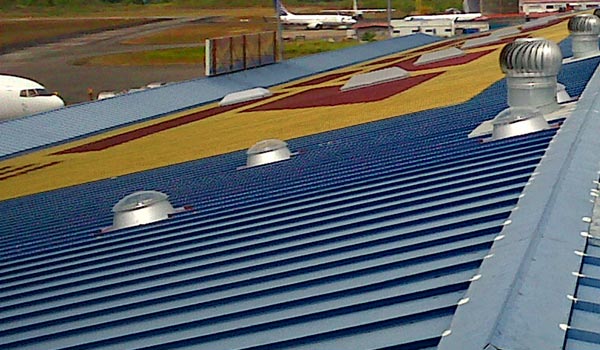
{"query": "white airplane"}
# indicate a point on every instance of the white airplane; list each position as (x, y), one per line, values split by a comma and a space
(21, 96)
(459, 17)
(355, 12)
(314, 21)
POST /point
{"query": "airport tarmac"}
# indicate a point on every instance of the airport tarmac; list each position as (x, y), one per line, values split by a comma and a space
(51, 64)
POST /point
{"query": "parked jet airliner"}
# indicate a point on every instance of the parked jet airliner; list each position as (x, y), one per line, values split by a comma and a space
(21, 96)
(314, 21)
(355, 12)
(451, 16)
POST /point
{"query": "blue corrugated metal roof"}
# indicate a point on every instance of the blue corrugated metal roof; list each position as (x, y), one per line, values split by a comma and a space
(368, 239)
(83, 119)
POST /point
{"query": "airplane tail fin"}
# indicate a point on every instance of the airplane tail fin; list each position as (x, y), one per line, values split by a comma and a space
(281, 9)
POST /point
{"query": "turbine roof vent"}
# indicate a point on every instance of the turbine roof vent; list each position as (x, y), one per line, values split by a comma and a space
(584, 24)
(584, 29)
(141, 207)
(531, 57)
(267, 151)
(517, 121)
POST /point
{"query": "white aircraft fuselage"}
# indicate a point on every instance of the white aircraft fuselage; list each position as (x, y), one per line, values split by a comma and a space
(355, 12)
(21, 96)
(455, 17)
(315, 21)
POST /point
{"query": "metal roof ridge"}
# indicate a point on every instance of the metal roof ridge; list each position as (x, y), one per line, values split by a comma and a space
(530, 269)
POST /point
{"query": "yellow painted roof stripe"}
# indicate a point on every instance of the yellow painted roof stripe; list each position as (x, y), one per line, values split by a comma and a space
(231, 131)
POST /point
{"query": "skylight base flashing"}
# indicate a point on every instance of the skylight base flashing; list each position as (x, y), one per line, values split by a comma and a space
(507, 31)
(441, 55)
(539, 22)
(245, 96)
(374, 78)
(477, 42)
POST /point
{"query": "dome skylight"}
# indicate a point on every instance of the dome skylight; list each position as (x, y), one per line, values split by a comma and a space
(267, 151)
(140, 208)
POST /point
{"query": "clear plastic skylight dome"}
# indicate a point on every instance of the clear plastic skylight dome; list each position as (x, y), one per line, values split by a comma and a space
(266, 146)
(139, 199)
(267, 151)
(141, 208)
(517, 121)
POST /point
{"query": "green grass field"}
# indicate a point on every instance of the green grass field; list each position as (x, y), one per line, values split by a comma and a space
(188, 55)
(302, 48)
(195, 55)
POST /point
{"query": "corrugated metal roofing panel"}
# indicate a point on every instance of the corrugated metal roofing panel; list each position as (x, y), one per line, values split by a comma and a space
(84, 119)
(389, 244)
(368, 239)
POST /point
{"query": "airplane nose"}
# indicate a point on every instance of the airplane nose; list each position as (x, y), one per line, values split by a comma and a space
(57, 102)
